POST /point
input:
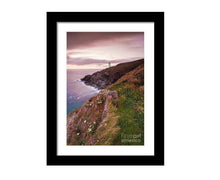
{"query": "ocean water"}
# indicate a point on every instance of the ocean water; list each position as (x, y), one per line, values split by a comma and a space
(77, 92)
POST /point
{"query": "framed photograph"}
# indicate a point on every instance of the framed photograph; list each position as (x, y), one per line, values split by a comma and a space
(105, 88)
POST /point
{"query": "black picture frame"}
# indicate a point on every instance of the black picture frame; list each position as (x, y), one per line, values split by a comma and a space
(52, 19)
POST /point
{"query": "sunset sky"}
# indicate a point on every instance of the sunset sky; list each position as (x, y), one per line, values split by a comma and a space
(93, 50)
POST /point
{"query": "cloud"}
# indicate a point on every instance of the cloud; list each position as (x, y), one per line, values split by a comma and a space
(86, 61)
(81, 39)
(96, 49)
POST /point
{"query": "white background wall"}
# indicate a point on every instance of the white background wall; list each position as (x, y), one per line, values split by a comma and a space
(192, 90)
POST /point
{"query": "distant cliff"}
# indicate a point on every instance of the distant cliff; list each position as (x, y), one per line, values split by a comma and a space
(113, 117)
(102, 79)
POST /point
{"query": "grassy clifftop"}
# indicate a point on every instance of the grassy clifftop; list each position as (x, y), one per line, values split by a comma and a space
(114, 117)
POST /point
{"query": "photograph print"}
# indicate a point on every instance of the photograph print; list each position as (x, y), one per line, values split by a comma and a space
(105, 88)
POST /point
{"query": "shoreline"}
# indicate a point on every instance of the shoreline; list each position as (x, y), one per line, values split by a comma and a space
(91, 87)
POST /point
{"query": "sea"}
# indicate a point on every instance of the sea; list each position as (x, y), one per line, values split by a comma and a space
(77, 91)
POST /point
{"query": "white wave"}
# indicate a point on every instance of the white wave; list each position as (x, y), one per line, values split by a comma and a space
(91, 87)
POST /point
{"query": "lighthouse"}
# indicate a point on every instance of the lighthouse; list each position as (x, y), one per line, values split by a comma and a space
(109, 64)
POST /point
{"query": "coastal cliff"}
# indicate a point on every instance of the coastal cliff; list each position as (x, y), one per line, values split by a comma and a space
(102, 79)
(115, 116)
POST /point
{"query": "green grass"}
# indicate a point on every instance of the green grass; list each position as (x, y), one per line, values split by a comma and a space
(131, 115)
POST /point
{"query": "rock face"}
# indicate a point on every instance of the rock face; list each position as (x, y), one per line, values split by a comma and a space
(102, 79)
(82, 123)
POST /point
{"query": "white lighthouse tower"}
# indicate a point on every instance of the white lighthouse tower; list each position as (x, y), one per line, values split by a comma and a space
(109, 64)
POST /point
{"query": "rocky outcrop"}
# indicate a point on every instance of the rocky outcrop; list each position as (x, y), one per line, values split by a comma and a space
(102, 79)
(84, 122)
